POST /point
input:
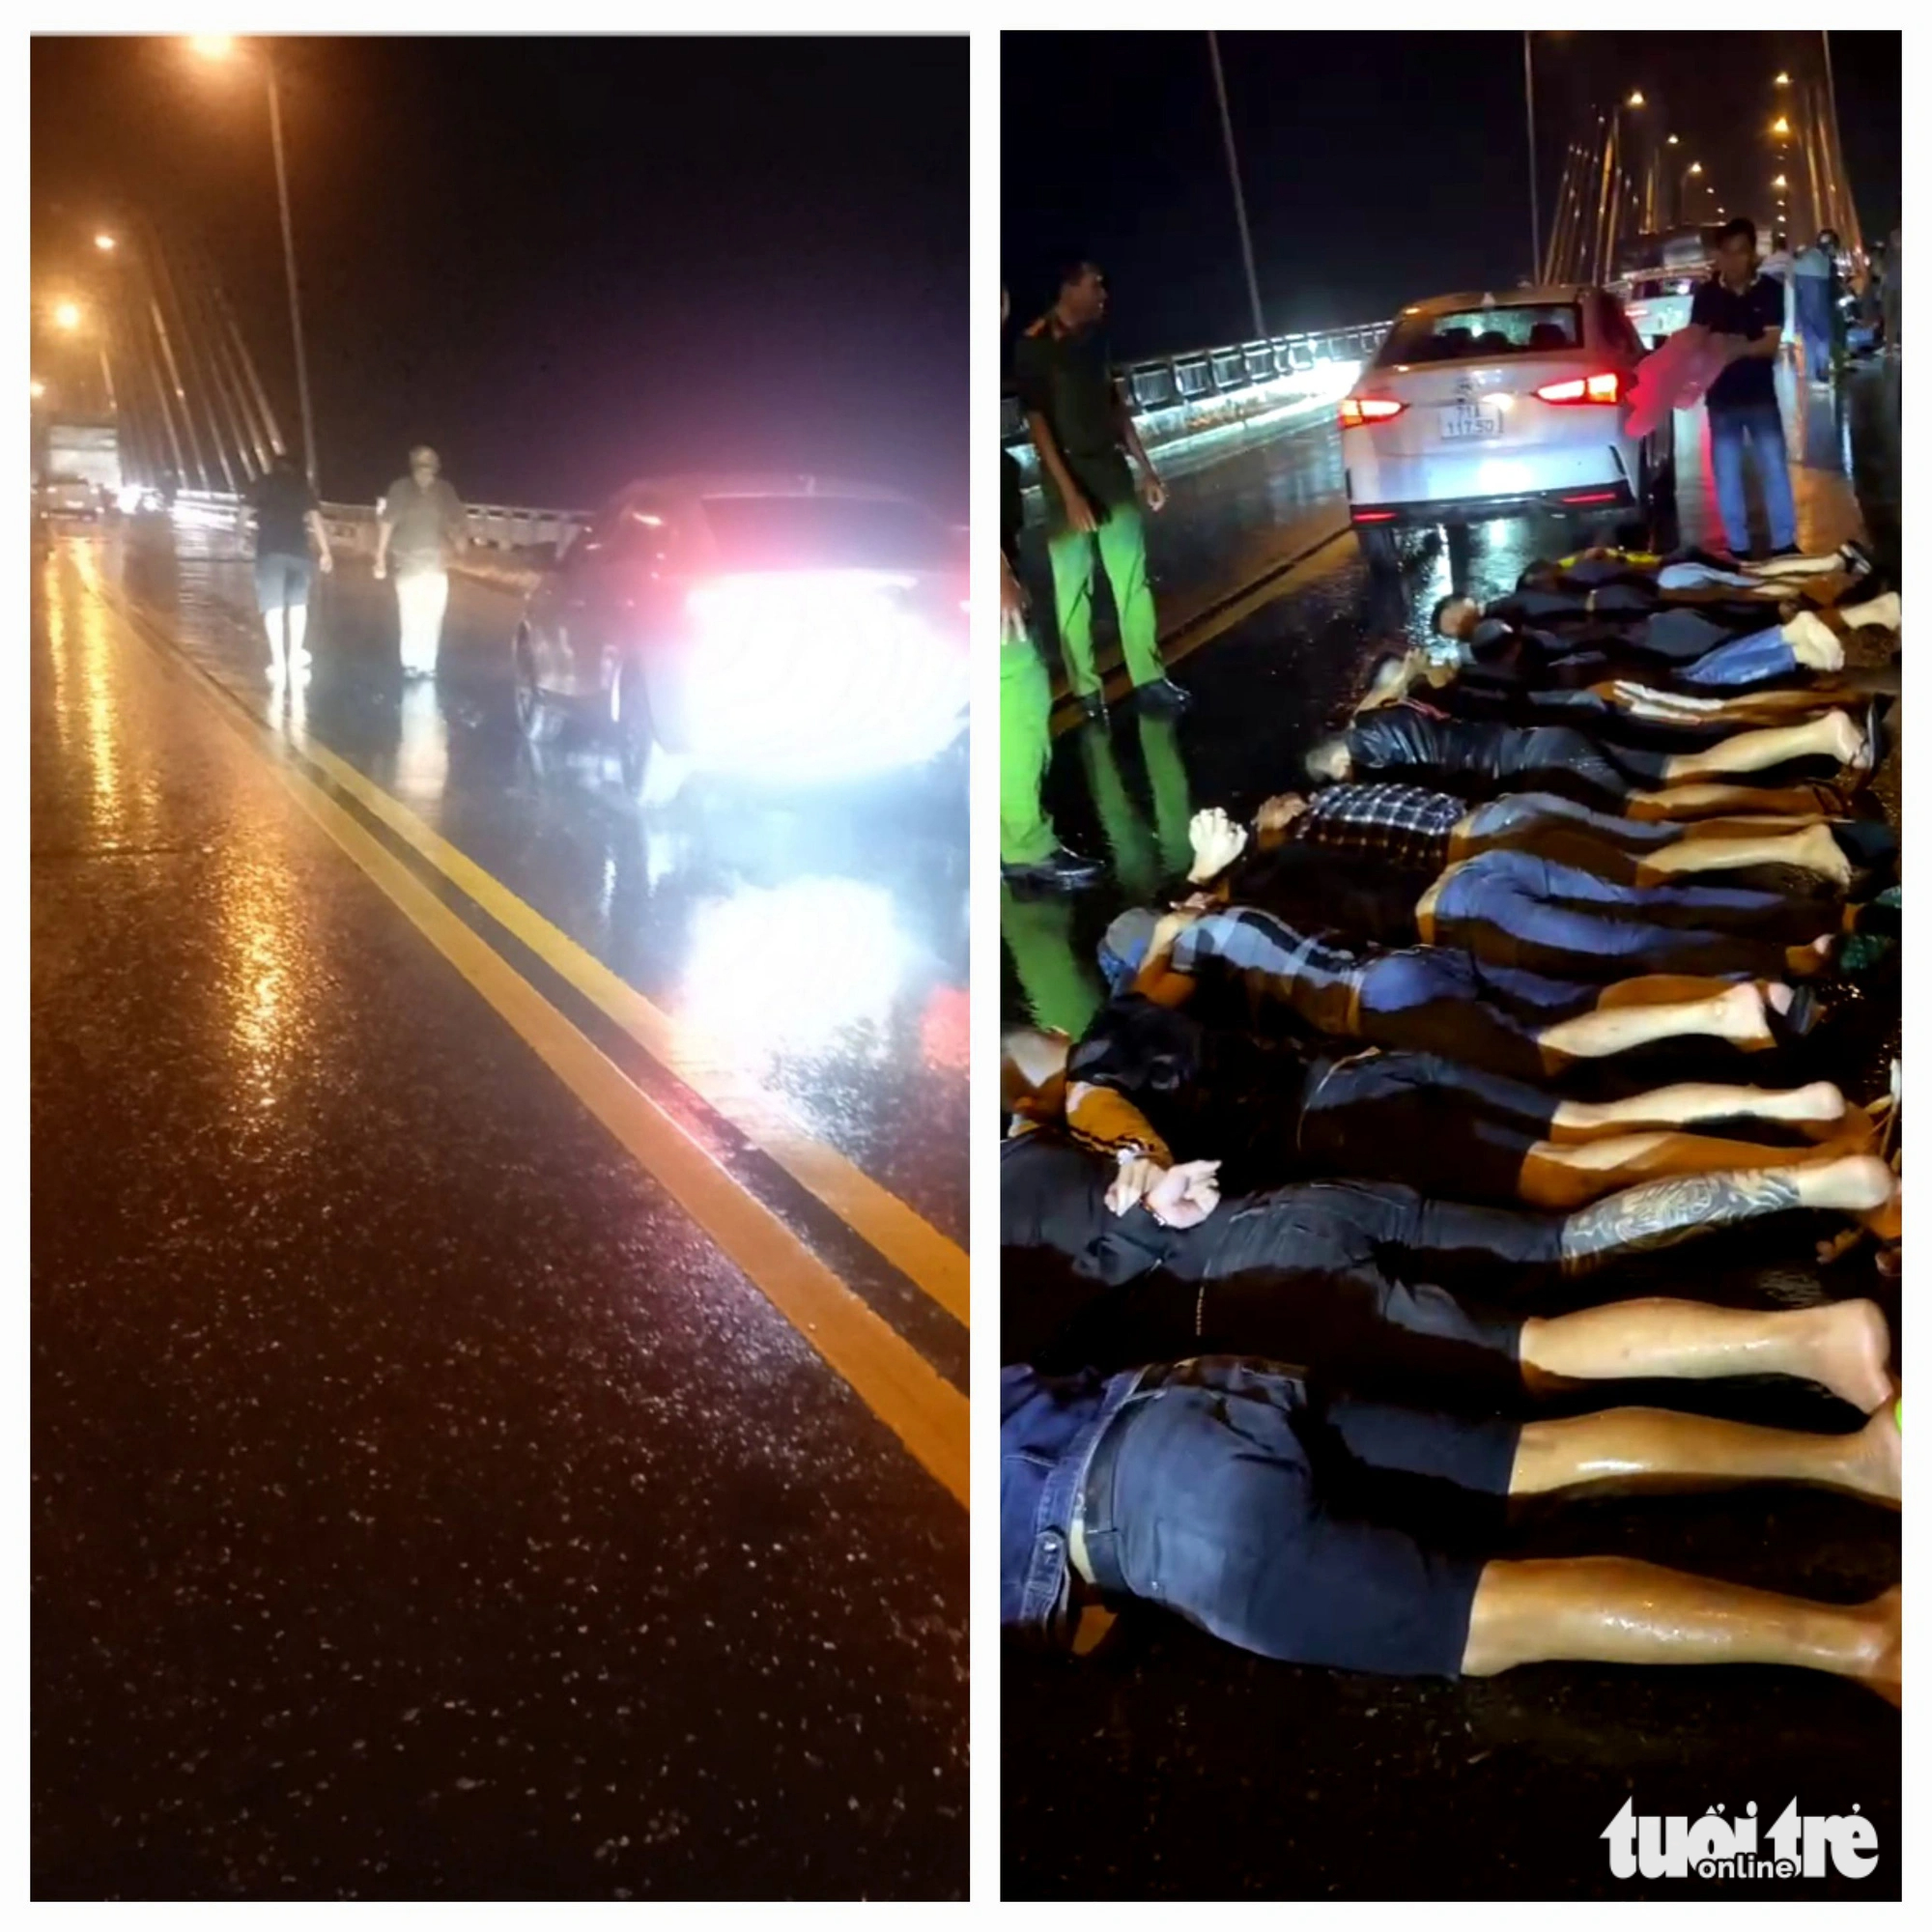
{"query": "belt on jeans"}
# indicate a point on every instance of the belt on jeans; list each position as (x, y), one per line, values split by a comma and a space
(1095, 1561)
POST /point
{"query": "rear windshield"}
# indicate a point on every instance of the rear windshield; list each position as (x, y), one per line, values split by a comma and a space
(1532, 330)
(824, 533)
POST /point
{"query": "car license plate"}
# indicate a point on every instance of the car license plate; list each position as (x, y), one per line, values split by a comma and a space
(1469, 419)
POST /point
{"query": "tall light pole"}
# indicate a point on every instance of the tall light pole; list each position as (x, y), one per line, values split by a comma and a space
(1529, 114)
(212, 47)
(1234, 176)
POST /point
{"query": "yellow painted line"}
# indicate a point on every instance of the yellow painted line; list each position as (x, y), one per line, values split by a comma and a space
(893, 1380)
(1192, 637)
(915, 1247)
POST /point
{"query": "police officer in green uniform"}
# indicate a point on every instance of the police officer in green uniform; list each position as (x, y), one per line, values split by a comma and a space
(1085, 435)
(1030, 850)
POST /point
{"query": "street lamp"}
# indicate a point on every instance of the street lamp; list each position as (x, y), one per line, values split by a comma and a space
(1782, 80)
(66, 315)
(36, 388)
(1636, 99)
(1778, 182)
(1671, 140)
(1780, 126)
(217, 47)
(105, 243)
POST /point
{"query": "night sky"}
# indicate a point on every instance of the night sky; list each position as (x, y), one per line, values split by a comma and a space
(1378, 167)
(565, 263)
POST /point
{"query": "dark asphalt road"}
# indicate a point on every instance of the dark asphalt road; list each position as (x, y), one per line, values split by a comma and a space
(1172, 1766)
(423, 1505)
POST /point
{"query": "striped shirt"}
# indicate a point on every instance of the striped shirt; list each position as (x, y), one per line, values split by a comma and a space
(1408, 825)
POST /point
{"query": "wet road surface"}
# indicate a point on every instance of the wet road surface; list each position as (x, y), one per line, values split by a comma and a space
(1170, 1765)
(431, 1499)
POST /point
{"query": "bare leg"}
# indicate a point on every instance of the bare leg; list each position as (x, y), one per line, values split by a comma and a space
(1612, 1609)
(1736, 1013)
(1623, 1449)
(298, 635)
(1568, 1178)
(1701, 800)
(1832, 736)
(1812, 850)
(1844, 1346)
(1663, 1212)
(272, 622)
(1818, 1108)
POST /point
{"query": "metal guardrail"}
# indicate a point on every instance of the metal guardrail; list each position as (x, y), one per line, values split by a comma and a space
(1208, 375)
(491, 526)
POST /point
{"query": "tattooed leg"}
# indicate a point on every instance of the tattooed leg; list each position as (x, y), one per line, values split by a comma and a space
(1663, 1212)
(1843, 1346)
(1614, 1610)
(1625, 1449)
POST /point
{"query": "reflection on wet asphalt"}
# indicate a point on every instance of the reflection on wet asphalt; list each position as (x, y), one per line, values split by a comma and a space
(819, 939)
(423, 1506)
(1172, 1766)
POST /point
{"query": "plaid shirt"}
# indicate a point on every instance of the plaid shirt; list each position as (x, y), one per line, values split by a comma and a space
(1408, 825)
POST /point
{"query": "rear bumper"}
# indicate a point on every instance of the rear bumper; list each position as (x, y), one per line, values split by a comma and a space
(1598, 500)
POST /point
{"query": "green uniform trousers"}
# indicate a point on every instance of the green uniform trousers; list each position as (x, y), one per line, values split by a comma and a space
(1122, 544)
(1026, 748)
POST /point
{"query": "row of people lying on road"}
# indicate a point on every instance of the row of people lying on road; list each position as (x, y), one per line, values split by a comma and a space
(1377, 1099)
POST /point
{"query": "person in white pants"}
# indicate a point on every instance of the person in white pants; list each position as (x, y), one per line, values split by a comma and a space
(419, 522)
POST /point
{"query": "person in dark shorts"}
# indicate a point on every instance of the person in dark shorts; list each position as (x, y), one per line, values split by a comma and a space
(1321, 1528)
(1482, 758)
(1175, 1086)
(1518, 909)
(1111, 1258)
(287, 519)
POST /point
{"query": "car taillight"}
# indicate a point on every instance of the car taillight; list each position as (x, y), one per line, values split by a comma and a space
(1605, 388)
(1360, 409)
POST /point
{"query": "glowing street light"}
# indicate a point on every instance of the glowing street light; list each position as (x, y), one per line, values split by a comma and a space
(1671, 140)
(1636, 99)
(1778, 182)
(1782, 80)
(1696, 168)
(66, 315)
(105, 243)
(212, 47)
(1780, 125)
(36, 388)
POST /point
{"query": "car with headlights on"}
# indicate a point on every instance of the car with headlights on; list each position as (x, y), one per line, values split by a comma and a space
(1478, 407)
(784, 630)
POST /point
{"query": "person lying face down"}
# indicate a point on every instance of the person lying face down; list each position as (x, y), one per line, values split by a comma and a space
(1108, 1256)
(1710, 649)
(1176, 1085)
(1320, 1526)
(1779, 768)
(1383, 872)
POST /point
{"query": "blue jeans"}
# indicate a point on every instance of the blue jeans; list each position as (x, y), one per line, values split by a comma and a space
(1811, 306)
(1748, 660)
(281, 579)
(1761, 426)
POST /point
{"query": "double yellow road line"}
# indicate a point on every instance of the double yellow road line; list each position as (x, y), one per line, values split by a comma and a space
(890, 1376)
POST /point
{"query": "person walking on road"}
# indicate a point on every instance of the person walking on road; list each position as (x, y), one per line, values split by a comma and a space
(419, 521)
(1086, 443)
(1030, 849)
(1742, 402)
(287, 516)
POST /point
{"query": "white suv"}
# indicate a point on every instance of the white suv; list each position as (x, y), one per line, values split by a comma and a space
(1485, 406)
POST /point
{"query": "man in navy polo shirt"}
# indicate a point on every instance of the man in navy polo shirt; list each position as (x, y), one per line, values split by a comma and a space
(1742, 402)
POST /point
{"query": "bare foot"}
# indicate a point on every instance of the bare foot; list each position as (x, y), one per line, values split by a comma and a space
(1883, 1672)
(1845, 741)
(1820, 1110)
(1875, 1458)
(1850, 1345)
(1818, 852)
(1738, 1013)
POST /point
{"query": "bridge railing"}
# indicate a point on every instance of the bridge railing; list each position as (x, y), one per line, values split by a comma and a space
(1236, 379)
(491, 526)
